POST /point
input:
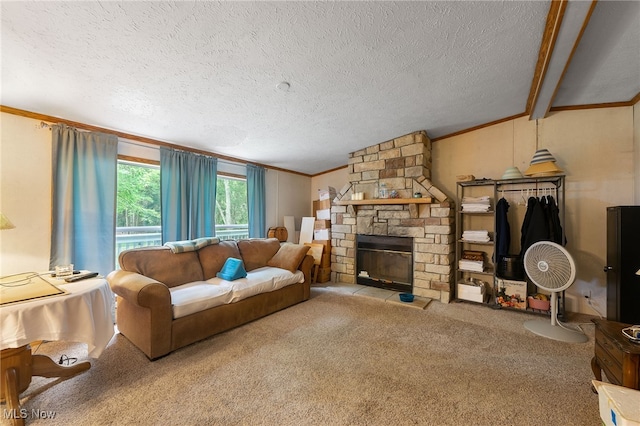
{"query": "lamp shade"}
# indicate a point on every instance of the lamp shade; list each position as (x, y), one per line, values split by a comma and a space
(5, 223)
(542, 156)
(548, 168)
(512, 173)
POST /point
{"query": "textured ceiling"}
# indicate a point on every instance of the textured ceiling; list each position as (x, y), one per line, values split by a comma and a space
(205, 74)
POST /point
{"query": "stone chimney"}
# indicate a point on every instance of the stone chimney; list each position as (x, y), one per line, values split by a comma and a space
(404, 166)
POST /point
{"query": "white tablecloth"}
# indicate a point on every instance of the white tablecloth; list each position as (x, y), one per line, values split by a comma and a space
(82, 315)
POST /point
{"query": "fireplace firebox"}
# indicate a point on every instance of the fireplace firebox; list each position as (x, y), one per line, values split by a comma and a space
(385, 262)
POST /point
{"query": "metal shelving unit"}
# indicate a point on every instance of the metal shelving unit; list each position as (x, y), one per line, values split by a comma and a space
(473, 221)
(495, 189)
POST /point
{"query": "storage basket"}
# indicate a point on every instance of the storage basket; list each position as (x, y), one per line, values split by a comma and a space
(279, 232)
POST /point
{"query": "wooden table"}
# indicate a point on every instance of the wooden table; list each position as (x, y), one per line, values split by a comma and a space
(616, 355)
(83, 314)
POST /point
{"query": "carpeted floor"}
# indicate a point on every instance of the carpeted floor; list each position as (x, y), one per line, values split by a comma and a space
(336, 360)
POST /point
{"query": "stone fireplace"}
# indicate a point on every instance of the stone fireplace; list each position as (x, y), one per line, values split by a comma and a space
(402, 165)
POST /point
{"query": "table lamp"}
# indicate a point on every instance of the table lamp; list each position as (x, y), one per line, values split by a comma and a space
(5, 223)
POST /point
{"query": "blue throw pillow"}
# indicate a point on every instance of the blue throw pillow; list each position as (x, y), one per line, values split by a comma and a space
(232, 270)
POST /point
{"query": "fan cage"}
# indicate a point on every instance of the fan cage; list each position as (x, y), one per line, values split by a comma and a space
(549, 266)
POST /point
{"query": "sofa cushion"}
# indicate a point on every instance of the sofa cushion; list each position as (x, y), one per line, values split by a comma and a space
(289, 257)
(214, 256)
(194, 297)
(197, 296)
(257, 252)
(232, 270)
(262, 280)
(162, 265)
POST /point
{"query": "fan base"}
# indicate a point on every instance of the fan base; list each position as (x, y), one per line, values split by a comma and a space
(555, 332)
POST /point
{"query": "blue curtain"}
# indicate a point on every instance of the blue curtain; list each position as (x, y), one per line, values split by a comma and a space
(256, 201)
(84, 168)
(187, 195)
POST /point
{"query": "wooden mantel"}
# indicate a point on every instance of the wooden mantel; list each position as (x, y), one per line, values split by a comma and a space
(411, 202)
(380, 201)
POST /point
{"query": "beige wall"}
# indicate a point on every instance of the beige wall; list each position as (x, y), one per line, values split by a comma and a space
(636, 152)
(337, 179)
(288, 195)
(25, 197)
(594, 147)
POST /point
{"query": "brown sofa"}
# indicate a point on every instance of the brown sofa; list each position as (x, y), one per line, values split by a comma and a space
(153, 281)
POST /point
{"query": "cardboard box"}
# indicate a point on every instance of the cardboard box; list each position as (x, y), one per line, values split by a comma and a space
(326, 253)
(323, 204)
(618, 405)
(324, 207)
(322, 234)
(324, 275)
(322, 224)
(511, 294)
(323, 214)
(327, 194)
(474, 293)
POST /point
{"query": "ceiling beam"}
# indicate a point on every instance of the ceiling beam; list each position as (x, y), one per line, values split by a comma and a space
(566, 22)
(549, 36)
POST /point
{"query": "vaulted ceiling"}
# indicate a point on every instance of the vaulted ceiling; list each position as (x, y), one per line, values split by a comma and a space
(299, 85)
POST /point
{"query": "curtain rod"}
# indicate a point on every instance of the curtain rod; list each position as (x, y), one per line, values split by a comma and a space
(88, 127)
(43, 125)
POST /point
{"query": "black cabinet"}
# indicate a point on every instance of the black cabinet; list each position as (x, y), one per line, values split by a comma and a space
(623, 261)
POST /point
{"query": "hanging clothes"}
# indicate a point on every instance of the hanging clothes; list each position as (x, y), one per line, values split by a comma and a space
(503, 230)
(525, 223)
(535, 226)
(555, 227)
(541, 223)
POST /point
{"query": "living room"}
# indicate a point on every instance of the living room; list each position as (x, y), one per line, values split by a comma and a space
(596, 144)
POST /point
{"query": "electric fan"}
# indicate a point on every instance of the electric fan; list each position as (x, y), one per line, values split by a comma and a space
(550, 267)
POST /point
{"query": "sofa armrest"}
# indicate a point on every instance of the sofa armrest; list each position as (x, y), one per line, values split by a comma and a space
(144, 313)
(305, 267)
(139, 289)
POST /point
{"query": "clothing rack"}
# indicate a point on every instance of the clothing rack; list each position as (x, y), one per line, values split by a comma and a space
(552, 185)
(531, 192)
(516, 189)
(537, 187)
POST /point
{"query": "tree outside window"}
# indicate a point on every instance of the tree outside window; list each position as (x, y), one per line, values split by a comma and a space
(138, 195)
(138, 206)
(232, 213)
(138, 217)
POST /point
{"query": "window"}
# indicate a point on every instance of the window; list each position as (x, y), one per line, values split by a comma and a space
(138, 206)
(138, 214)
(232, 214)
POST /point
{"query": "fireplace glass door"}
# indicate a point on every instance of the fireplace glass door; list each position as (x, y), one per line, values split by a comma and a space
(385, 262)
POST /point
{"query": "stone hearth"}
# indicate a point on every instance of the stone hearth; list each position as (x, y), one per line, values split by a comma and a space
(404, 165)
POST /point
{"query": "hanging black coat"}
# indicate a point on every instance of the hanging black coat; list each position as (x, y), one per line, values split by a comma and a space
(535, 226)
(503, 231)
(555, 227)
